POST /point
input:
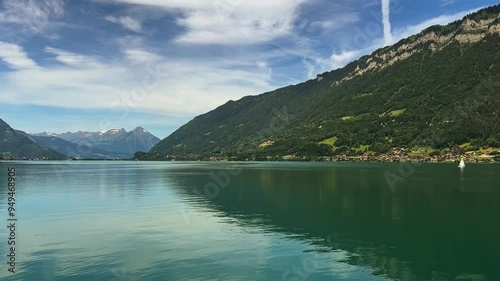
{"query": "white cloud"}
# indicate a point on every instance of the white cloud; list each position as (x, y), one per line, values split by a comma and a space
(138, 81)
(339, 60)
(15, 57)
(126, 22)
(261, 64)
(237, 23)
(63, 86)
(72, 59)
(138, 56)
(230, 21)
(337, 22)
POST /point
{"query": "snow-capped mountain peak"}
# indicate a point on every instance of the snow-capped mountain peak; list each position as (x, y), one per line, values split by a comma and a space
(113, 132)
(113, 140)
(45, 134)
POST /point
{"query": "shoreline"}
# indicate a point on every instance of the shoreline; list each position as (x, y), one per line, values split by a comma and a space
(245, 161)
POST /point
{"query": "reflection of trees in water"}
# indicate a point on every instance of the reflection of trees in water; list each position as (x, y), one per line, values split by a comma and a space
(428, 230)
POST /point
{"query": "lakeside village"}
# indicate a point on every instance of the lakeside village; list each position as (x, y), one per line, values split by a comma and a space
(416, 155)
(487, 155)
(10, 157)
(490, 155)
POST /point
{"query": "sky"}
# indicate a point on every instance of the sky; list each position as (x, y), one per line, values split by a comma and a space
(94, 65)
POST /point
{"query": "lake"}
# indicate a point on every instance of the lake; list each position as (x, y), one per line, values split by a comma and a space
(117, 221)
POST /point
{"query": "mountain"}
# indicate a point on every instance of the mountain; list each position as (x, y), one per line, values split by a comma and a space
(72, 150)
(138, 139)
(83, 137)
(435, 90)
(21, 147)
(114, 143)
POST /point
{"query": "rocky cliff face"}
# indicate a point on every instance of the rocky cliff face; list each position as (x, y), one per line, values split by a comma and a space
(468, 32)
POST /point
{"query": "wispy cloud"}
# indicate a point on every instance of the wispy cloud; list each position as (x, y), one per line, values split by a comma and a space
(230, 22)
(34, 15)
(172, 87)
(72, 59)
(338, 22)
(126, 22)
(15, 57)
(138, 56)
(447, 2)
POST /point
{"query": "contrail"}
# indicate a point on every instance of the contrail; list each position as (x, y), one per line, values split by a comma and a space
(387, 23)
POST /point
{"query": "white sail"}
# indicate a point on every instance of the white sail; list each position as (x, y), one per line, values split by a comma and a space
(462, 164)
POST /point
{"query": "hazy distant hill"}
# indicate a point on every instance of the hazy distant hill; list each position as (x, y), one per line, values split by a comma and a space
(19, 146)
(74, 150)
(437, 89)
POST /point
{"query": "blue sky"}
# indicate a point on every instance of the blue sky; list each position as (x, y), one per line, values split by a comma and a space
(100, 64)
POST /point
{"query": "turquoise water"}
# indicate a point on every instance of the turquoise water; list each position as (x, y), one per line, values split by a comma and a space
(252, 221)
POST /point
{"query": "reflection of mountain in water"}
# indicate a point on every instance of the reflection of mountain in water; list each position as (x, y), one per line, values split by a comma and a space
(428, 229)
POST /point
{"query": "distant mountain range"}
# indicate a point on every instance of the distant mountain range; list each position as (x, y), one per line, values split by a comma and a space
(73, 150)
(435, 90)
(111, 144)
(16, 146)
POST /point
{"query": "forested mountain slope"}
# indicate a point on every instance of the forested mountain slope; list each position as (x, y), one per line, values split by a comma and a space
(438, 89)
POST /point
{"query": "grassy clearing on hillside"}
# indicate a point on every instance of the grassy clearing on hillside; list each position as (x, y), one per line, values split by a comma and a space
(466, 146)
(330, 141)
(420, 151)
(362, 148)
(396, 113)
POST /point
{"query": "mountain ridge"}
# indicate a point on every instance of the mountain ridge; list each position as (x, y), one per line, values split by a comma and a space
(15, 146)
(438, 36)
(73, 150)
(109, 144)
(435, 90)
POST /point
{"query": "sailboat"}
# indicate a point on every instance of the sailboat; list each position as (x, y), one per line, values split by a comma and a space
(462, 164)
